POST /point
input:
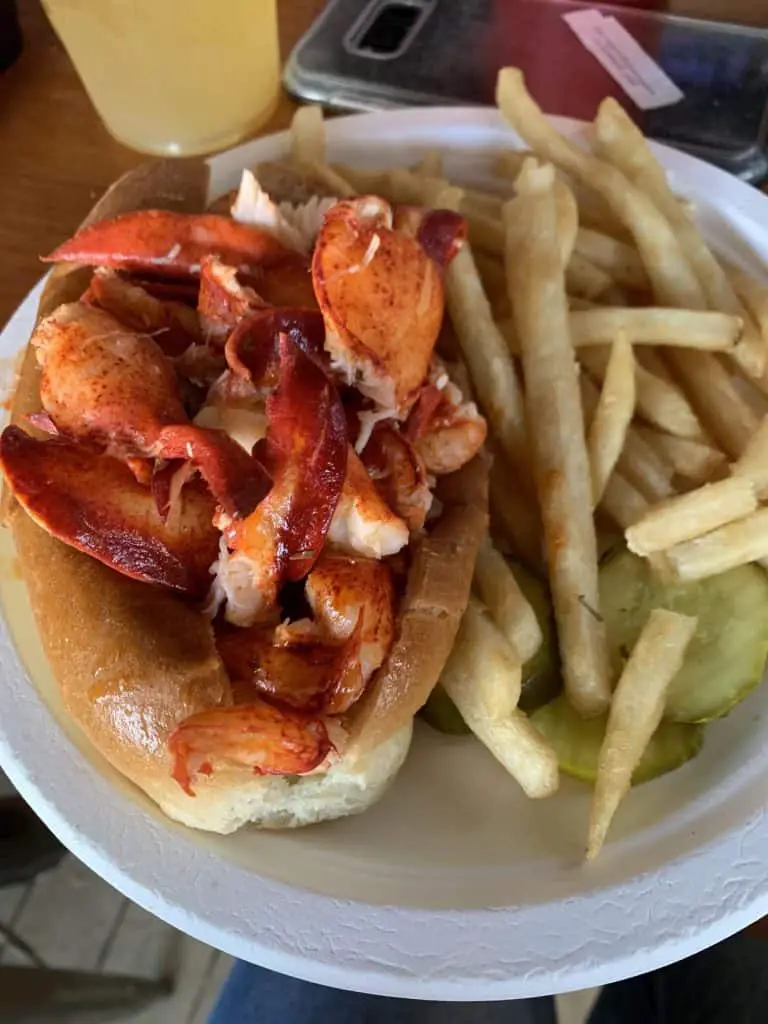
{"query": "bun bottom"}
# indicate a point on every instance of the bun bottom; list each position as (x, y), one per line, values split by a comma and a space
(226, 801)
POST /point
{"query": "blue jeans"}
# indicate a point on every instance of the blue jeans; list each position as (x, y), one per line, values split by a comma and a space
(727, 984)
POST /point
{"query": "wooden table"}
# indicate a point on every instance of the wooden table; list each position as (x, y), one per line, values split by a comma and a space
(56, 157)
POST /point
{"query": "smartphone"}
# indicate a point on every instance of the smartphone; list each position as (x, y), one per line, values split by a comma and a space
(376, 54)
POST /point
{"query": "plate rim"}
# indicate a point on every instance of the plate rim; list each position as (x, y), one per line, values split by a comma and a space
(336, 954)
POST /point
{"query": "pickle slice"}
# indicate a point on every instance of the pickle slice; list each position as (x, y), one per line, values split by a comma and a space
(542, 680)
(577, 742)
(726, 658)
(442, 714)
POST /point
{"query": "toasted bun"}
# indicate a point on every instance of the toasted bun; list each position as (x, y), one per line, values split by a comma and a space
(134, 661)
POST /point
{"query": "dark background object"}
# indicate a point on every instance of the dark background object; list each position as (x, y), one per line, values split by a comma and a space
(26, 845)
(373, 54)
(10, 34)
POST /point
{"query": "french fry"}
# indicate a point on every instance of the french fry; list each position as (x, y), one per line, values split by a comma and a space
(614, 412)
(577, 302)
(514, 515)
(481, 677)
(715, 332)
(498, 589)
(431, 164)
(537, 294)
(364, 181)
(754, 460)
(744, 541)
(497, 684)
(636, 711)
(584, 279)
(753, 294)
(567, 213)
(621, 142)
(619, 260)
(693, 460)
(329, 176)
(656, 400)
(485, 351)
(674, 283)
(595, 213)
(691, 515)
(721, 407)
(639, 463)
(491, 271)
(308, 135)
(509, 162)
(622, 501)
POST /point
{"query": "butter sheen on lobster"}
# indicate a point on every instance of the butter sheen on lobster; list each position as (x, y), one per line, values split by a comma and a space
(234, 440)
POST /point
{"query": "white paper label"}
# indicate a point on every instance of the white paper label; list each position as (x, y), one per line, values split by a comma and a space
(624, 59)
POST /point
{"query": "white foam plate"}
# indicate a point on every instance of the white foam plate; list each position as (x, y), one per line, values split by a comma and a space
(455, 886)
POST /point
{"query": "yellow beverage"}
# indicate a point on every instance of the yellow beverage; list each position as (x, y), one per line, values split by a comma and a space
(175, 77)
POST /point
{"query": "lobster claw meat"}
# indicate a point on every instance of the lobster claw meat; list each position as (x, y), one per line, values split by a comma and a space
(284, 282)
(300, 671)
(252, 350)
(94, 503)
(307, 445)
(183, 289)
(399, 474)
(266, 739)
(445, 430)
(223, 300)
(173, 325)
(382, 300)
(235, 478)
(440, 233)
(168, 243)
(103, 383)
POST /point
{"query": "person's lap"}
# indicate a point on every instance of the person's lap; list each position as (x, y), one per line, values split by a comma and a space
(727, 984)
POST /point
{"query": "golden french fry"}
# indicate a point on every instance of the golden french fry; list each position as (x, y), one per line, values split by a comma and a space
(567, 213)
(595, 213)
(498, 589)
(620, 261)
(721, 407)
(308, 135)
(485, 351)
(754, 460)
(694, 460)
(639, 463)
(576, 302)
(486, 234)
(481, 677)
(584, 279)
(509, 162)
(744, 541)
(364, 181)
(622, 143)
(674, 283)
(657, 400)
(491, 271)
(690, 515)
(329, 176)
(715, 332)
(431, 164)
(495, 685)
(753, 294)
(536, 284)
(636, 711)
(614, 412)
(622, 501)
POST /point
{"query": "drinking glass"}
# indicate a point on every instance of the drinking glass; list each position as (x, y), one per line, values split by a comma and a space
(174, 77)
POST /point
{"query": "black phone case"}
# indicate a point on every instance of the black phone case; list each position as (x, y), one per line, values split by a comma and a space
(450, 54)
